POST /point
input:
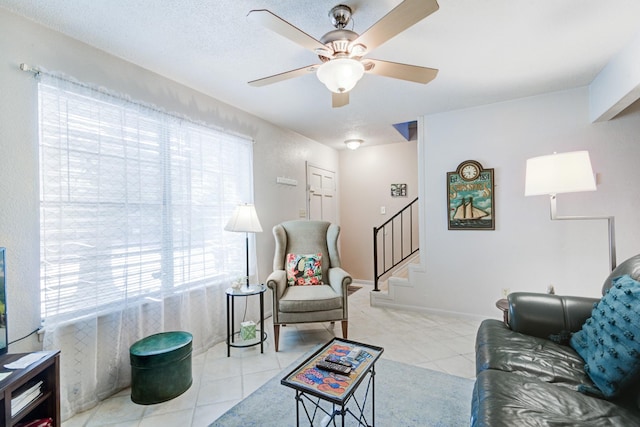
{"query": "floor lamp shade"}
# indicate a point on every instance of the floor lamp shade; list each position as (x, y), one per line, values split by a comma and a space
(245, 219)
(559, 173)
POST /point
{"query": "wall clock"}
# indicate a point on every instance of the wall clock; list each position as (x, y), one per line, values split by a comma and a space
(470, 204)
(470, 170)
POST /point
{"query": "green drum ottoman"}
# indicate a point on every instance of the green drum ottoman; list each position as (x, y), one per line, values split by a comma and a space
(160, 367)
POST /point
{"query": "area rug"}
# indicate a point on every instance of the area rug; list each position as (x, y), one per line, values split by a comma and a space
(405, 396)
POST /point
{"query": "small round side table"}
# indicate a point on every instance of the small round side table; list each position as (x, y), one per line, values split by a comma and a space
(503, 304)
(261, 335)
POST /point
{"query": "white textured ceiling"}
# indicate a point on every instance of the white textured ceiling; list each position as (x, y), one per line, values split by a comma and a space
(486, 51)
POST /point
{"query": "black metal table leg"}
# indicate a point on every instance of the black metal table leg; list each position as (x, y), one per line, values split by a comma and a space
(228, 333)
(262, 323)
(233, 319)
(373, 394)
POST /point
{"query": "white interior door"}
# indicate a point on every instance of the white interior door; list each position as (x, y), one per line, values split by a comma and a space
(321, 194)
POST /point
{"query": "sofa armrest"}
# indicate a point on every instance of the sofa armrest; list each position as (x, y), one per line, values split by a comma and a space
(542, 315)
(277, 282)
(339, 280)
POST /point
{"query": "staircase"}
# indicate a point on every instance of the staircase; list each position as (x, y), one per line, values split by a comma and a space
(395, 242)
(396, 258)
(399, 276)
(397, 289)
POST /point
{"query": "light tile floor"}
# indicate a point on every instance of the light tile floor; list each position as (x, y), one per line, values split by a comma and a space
(438, 342)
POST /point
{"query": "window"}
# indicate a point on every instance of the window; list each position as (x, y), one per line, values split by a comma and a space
(133, 201)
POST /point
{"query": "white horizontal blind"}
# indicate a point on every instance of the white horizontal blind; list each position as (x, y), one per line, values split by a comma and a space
(133, 201)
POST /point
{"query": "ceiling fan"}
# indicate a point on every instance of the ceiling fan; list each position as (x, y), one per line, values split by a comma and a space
(341, 50)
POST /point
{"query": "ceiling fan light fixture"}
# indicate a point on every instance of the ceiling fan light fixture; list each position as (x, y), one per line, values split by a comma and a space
(340, 75)
(353, 144)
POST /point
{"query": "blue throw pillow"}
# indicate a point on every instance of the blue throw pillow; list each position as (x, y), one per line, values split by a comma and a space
(609, 341)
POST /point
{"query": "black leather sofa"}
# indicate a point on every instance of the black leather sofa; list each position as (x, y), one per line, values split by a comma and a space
(528, 375)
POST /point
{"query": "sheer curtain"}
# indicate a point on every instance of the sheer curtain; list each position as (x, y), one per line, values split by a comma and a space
(132, 211)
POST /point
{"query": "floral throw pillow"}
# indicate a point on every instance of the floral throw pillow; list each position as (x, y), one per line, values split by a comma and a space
(304, 270)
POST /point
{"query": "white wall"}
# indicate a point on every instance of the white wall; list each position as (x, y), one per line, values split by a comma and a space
(618, 85)
(277, 151)
(465, 271)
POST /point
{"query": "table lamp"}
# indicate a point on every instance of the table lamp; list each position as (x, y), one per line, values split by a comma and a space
(245, 219)
(565, 173)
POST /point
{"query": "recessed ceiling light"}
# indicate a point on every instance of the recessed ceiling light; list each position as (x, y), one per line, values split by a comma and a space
(353, 143)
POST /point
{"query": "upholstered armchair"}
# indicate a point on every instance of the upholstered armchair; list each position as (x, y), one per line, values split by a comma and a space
(297, 303)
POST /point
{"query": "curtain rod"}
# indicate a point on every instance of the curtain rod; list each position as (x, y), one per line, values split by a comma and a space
(37, 71)
(29, 68)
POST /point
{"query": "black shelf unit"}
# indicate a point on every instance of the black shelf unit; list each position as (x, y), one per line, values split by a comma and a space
(47, 405)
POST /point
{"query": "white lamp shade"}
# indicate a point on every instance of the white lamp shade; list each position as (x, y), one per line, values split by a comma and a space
(559, 173)
(340, 75)
(244, 219)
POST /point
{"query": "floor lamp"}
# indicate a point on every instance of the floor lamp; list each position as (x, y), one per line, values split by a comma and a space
(565, 173)
(245, 220)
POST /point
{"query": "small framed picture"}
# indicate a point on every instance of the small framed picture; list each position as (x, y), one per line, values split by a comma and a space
(398, 190)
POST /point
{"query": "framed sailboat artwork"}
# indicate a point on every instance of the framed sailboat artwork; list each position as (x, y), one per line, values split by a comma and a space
(470, 203)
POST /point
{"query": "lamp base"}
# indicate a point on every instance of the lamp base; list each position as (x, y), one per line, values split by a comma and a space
(247, 289)
(610, 222)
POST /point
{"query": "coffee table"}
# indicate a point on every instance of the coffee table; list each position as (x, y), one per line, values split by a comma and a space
(314, 385)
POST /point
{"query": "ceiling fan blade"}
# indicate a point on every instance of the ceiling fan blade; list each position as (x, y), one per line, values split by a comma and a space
(403, 16)
(412, 73)
(283, 76)
(339, 99)
(285, 29)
